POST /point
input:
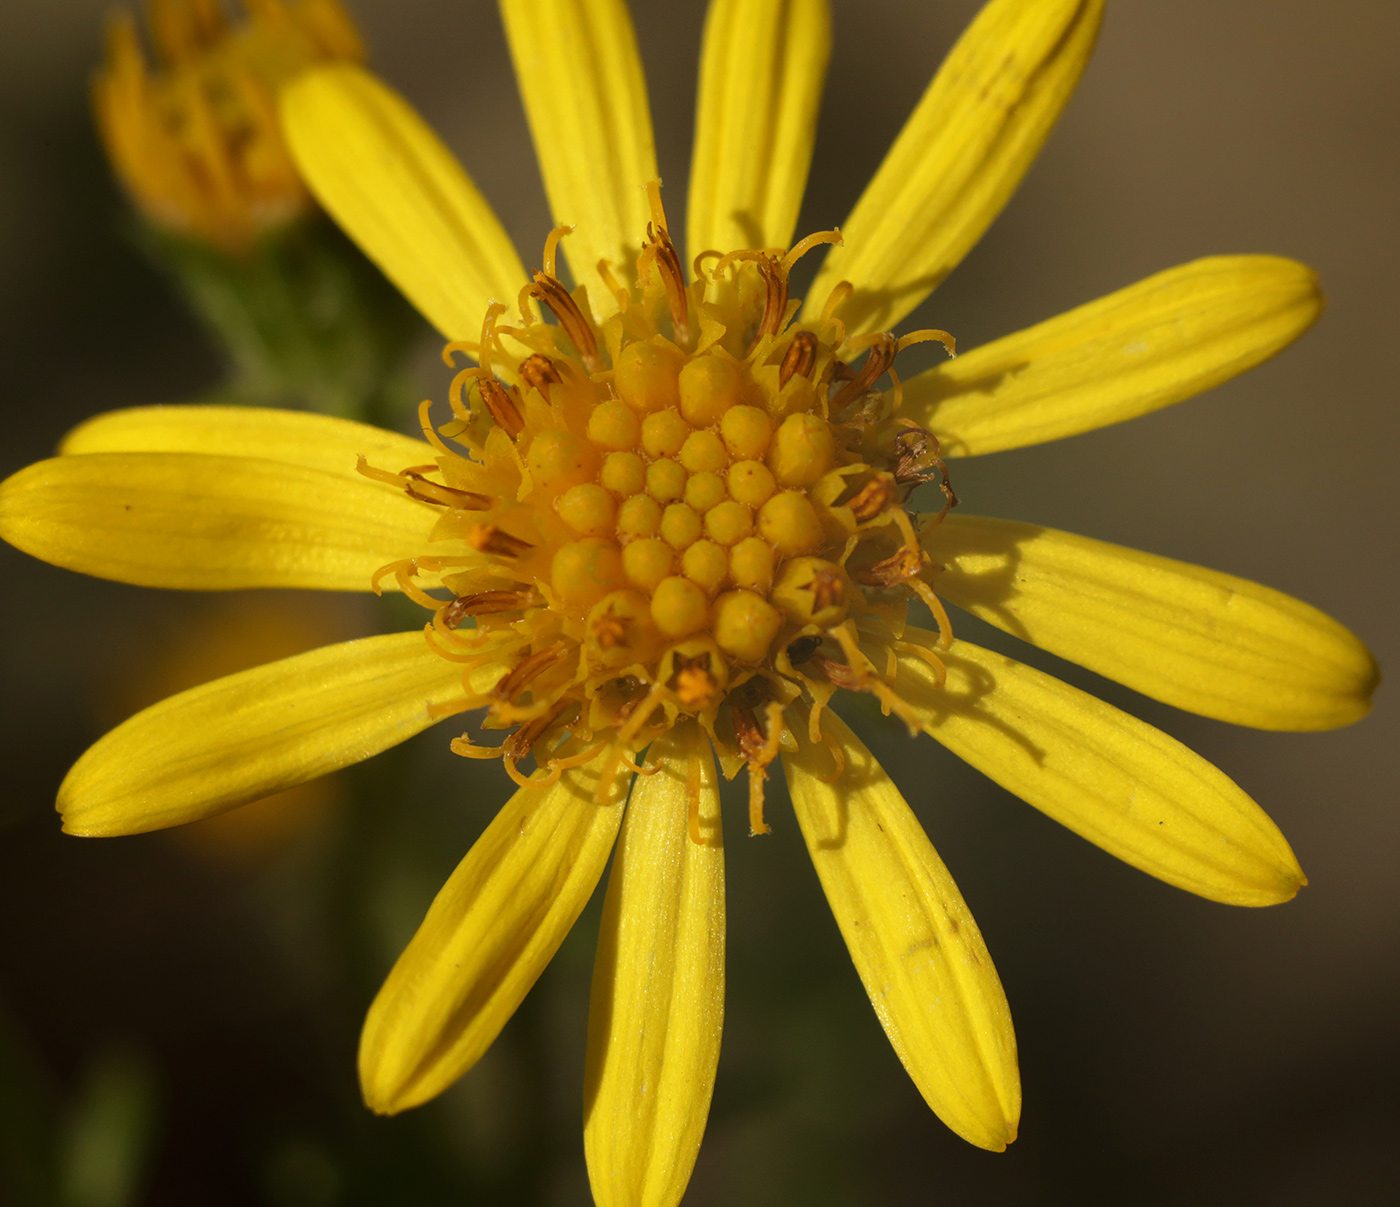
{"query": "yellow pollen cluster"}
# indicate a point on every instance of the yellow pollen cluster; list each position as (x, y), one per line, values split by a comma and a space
(692, 508)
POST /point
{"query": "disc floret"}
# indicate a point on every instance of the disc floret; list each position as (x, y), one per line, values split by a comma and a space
(695, 508)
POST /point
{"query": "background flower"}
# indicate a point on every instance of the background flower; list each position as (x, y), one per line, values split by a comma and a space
(1214, 1055)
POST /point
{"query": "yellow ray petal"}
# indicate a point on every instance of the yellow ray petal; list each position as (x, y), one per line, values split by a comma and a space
(959, 157)
(320, 442)
(1115, 780)
(387, 179)
(209, 523)
(249, 735)
(761, 75)
(581, 80)
(913, 940)
(488, 935)
(1195, 638)
(657, 1004)
(1134, 351)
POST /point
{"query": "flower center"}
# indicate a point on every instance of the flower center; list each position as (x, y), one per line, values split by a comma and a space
(695, 508)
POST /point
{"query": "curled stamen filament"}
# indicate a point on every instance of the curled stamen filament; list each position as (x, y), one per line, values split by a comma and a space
(551, 248)
(803, 246)
(633, 726)
(464, 346)
(928, 335)
(465, 747)
(940, 613)
(940, 668)
(623, 296)
(838, 756)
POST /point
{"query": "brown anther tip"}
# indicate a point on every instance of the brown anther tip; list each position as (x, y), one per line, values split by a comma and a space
(575, 324)
(502, 405)
(485, 603)
(775, 302)
(420, 488)
(668, 262)
(799, 359)
(877, 363)
(487, 538)
(523, 740)
(525, 671)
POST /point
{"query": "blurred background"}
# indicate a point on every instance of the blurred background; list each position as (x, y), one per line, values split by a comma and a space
(179, 1012)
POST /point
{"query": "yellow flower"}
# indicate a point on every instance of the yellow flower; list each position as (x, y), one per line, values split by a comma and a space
(677, 517)
(197, 143)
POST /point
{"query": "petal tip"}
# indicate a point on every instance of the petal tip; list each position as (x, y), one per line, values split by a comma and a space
(994, 1137)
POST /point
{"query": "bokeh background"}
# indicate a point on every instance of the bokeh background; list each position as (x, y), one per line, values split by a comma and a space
(178, 1013)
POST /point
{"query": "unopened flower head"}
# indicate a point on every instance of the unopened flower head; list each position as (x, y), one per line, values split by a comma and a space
(196, 141)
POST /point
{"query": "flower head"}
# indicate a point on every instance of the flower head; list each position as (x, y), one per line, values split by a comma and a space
(196, 142)
(671, 512)
(693, 509)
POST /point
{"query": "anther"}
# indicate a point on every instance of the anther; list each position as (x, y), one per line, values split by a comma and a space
(775, 302)
(659, 250)
(487, 538)
(883, 349)
(899, 567)
(799, 359)
(538, 371)
(418, 487)
(525, 671)
(917, 460)
(548, 290)
(523, 740)
(501, 406)
(872, 498)
(486, 603)
(668, 264)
